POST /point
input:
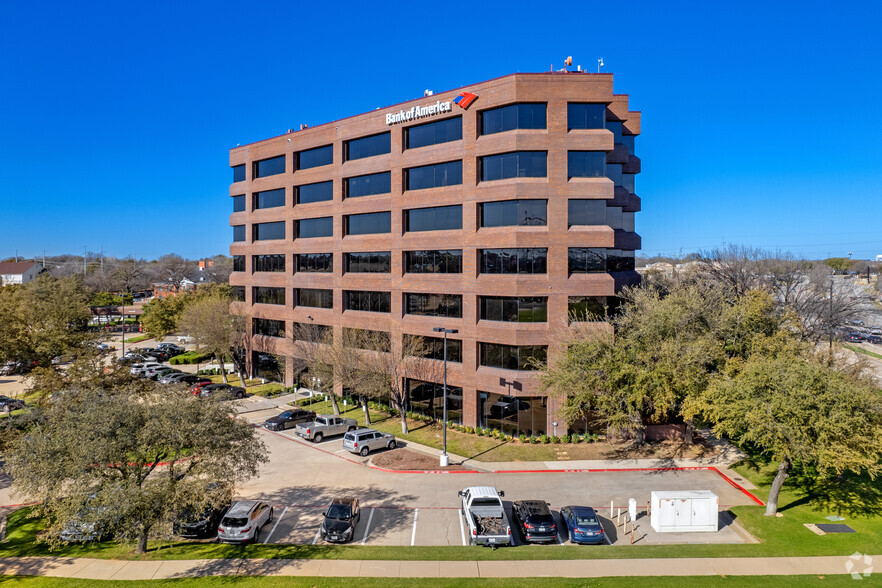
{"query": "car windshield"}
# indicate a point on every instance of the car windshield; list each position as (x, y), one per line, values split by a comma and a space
(585, 520)
(339, 511)
(234, 522)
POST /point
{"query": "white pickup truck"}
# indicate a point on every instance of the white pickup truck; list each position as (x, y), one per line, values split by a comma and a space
(325, 425)
(485, 515)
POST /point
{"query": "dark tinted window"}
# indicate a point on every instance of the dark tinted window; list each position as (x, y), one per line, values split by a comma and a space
(433, 262)
(239, 173)
(586, 260)
(433, 133)
(513, 213)
(318, 192)
(586, 212)
(514, 116)
(314, 157)
(267, 231)
(513, 261)
(586, 116)
(238, 263)
(434, 176)
(313, 332)
(433, 348)
(315, 227)
(269, 167)
(269, 199)
(377, 262)
(263, 295)
(367, 224)
(367, 301)
(586, 164)
(268, 263)
(519, 164)
(239, 203)
(367, 146)
(446, 305)
(315, 262)
(439, 218)
(369, 185)
(510, 357)
(582, 308)
(238, 233)
(268, 327)
(314, 297)
(513, 309)
(618, 260)
(238, 293)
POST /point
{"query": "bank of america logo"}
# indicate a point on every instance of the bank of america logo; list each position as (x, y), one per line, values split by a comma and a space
(465, 99)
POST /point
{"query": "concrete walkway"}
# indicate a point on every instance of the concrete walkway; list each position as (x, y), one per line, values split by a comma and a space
(105, 569)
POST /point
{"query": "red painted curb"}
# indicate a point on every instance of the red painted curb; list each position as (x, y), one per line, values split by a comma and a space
(738, 486)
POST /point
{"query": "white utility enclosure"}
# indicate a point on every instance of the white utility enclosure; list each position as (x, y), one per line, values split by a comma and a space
(684, 511)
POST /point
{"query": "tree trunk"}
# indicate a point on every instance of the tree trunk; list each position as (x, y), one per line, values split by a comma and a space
(780, 477)
(220, 362)
(400, 407)
(141, 547)
(367, 412)
(334, 404)
(241, 379)
(689, 436)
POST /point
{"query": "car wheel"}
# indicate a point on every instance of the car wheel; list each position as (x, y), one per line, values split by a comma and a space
(392, 444)
(256, 538)
(318, 438)
(364, 451)
(240, 395)
(270, 519)
(571, 536)
(352, 428)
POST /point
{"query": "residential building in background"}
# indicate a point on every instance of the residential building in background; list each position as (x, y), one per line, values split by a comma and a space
(20, 272)
(504, 209)
(166, 289)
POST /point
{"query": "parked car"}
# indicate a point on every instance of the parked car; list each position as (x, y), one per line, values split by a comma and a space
(855, 337)
(244, 521)
(158, 354)
(170, 347)
(340, 520)
(222, 391)
(198, 386)
(483, 511)
(157, 372)
(193, 523)
(8, 404)
(11, 368)
(325, 425)
(363, 441)
(138, 369)
(185, 339)
(90, 524)
(535, 521)
(288, 419)
(874, 339)
(168, 377)
(583, 525)
(132, 358)
(189, 379)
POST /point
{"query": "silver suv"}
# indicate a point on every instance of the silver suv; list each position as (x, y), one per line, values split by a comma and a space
(363, 441)
(243, 522)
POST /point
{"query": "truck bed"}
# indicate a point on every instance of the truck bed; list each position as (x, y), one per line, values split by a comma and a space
(491, 525)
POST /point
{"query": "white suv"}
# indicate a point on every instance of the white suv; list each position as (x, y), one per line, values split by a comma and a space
(243, 522)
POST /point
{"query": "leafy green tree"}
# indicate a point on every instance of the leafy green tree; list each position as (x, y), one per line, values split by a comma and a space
(131, 459)
(838, 264)
(796, 411)
(161, 315)
(43, 319)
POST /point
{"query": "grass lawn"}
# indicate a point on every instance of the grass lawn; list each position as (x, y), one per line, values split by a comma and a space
(861, 350)
(138, 338)
(314, 582)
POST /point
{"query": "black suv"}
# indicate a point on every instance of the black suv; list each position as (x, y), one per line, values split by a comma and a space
(340, 520)
(194, 523)
(289, 419)
(534, 519)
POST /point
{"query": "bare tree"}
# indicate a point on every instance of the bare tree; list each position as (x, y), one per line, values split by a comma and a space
(175, 269)
(131, 274)
(219, 271)
(327, 360)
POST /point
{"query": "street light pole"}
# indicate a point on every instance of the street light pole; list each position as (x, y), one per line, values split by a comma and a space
(445, 459)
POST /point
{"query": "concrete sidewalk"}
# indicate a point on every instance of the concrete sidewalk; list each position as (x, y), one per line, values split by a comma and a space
(105, 569)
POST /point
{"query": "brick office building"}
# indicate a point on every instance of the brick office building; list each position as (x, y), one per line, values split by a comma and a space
(496, 209)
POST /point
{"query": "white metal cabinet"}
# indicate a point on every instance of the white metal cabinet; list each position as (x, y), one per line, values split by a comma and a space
(684, 511)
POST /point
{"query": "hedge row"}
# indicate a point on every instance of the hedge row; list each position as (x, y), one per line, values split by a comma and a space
(189, 357)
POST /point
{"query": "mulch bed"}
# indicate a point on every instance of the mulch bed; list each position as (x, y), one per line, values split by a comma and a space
(406, 459)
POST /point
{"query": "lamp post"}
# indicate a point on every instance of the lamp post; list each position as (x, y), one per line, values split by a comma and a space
(445, 459)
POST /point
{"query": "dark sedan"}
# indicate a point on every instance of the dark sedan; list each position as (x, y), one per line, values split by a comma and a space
(583, 525)
(340, 520)
(222, 391)
(534, 519)
(193, 523)
(288, 420)
(8, 404)
(189, 379)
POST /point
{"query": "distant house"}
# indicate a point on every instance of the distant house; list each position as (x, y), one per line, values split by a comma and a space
(18, 272)
(166, 289)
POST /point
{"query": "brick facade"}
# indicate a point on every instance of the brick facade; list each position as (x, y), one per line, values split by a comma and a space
(554, 89)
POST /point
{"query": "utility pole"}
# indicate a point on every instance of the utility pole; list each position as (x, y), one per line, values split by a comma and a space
(44, 259)
(831, 315)
(84, 261)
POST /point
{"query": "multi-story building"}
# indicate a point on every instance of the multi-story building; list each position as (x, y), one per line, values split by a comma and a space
(500, 209)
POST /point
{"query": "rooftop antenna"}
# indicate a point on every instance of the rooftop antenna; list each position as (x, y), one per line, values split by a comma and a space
(599, 64)
(567, 63)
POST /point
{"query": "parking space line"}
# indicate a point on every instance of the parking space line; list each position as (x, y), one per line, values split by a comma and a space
(318, 534)
(341, 450)
(367, 529)
(461, 528)
(278, 520)
(416, 514)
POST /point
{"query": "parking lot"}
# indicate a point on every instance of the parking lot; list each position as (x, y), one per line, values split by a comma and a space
(404, 509)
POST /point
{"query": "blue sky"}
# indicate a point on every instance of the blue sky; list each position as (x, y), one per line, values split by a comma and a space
(761, 121)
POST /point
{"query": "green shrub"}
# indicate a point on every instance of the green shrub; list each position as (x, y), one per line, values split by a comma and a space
(555, 439)
(534, 440)
(545, 439)
(522, 438)
(565, 439)
(189, 357)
